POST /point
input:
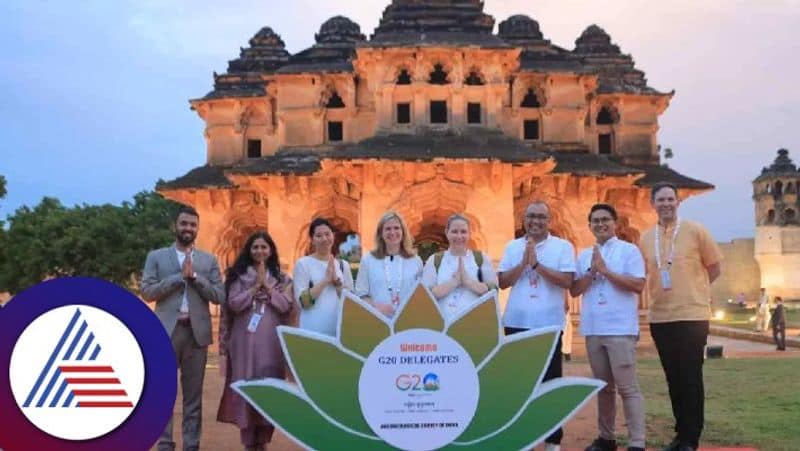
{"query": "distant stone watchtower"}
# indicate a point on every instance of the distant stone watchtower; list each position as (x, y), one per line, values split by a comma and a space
(777, 242)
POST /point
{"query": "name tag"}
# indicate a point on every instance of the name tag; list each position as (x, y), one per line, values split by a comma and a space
(666, 280)
(253, 324)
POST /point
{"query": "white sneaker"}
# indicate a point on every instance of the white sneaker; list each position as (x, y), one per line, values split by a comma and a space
(551, 447)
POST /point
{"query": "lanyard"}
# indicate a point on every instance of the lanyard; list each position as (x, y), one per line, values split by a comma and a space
(394, 289)
(606, 251)
(671, 247)
(262, 303)
(262, 307)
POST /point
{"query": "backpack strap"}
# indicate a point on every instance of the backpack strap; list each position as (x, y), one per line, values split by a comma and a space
(437, 260)
(478, 256)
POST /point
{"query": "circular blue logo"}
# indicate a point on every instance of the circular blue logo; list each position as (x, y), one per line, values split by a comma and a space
(90, 367)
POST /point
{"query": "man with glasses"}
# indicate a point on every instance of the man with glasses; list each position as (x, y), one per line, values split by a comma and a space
(539, 268)
(609, 276)
(682, 261)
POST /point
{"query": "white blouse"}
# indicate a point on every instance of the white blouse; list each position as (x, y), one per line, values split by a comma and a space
(461, 297)
(323, 315)
(381, 279)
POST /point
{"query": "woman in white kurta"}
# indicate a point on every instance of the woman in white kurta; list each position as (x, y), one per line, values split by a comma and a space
(453, 275)
(319, 279)
(390, 272)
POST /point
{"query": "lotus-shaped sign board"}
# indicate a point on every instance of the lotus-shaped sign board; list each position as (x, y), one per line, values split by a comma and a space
(418, 381)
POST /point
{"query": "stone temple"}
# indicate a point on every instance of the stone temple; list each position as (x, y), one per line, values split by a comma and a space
(433, 114)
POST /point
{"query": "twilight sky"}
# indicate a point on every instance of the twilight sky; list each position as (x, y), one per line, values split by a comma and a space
(94, 105)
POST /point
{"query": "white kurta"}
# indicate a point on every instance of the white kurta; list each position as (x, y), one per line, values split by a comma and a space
(323, 315)
(381, 278)
(461, 297)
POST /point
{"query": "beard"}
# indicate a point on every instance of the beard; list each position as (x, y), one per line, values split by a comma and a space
(185, 238)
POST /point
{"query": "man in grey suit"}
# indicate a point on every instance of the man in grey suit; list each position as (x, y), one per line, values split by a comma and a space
(182, 281)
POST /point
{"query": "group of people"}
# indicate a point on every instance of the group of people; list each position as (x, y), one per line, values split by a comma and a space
(677, 260)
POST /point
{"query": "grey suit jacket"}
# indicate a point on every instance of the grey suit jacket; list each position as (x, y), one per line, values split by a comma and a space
(163, 284)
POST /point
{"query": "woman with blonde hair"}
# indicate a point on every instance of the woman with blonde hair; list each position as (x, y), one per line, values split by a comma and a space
(458, 276)
(389, 273)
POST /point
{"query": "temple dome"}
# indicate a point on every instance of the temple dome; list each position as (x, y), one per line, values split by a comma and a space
(616, 70)
(520, 29)
(266, 53)
(339, 29)
(436, 22)
(782, 166)
(333, 51)
(595, 41)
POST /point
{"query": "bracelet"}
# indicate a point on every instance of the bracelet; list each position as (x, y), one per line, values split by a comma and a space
(306, 301)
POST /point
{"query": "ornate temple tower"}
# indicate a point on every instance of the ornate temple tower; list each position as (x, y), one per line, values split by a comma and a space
(434, 113)
(777, 243)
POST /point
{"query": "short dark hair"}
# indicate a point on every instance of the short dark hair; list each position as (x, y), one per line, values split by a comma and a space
(318, 222)
(605, 207)
(185, 209)
(661, 185)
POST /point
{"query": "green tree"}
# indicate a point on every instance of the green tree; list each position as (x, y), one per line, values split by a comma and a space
(105, 241)
(2, 187)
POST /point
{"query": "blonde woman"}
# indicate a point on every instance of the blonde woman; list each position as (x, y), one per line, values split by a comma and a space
(458, 276)
(389, 273)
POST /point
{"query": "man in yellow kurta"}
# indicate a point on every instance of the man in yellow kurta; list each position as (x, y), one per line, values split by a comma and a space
(682, 260)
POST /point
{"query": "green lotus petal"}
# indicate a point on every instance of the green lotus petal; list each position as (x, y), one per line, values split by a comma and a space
(559, 399)
(477, 331)
(284, 406)
(361, 329)
(320, 366)
(507, 380)
(419, 312)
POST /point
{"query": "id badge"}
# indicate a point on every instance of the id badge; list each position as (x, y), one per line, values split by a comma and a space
(666, 280)
(253, 324)
(533, 279)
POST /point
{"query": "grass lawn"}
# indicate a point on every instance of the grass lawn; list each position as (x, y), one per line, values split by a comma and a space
(753, 402)
(740, 318)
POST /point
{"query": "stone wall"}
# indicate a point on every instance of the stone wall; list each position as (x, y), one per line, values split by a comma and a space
(740, 271)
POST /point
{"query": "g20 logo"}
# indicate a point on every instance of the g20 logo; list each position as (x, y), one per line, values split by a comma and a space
(415, 382)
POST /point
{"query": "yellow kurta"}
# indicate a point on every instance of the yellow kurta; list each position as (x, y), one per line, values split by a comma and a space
(695, 250)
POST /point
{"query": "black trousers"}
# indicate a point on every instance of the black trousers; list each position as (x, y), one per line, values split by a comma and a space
(779, 335)
(680, 346)
(553, 371)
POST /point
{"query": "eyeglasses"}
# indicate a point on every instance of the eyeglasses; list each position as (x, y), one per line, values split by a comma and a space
(537, 216)
(597, 221)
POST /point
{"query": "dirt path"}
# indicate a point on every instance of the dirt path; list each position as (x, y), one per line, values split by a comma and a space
(580, 431)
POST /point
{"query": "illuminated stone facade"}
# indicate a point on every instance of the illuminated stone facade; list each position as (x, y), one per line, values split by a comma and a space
(433, 114)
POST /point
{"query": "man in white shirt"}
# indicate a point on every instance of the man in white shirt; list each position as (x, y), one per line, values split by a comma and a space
(609, 277)
(539, 268)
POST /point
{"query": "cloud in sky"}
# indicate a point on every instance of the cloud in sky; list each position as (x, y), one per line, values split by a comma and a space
(95, 104)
